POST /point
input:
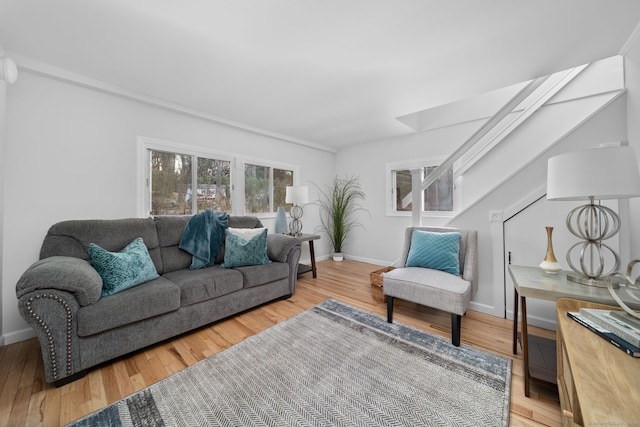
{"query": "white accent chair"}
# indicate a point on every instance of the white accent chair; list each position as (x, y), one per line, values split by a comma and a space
(435, 288)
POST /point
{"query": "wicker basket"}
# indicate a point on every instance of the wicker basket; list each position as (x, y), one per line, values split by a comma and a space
(376, 283)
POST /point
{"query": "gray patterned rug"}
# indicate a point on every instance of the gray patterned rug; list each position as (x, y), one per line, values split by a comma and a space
(332, 365)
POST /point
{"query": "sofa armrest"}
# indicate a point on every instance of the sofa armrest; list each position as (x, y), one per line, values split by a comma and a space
(280, 247)
(67, 274)
(53, 316)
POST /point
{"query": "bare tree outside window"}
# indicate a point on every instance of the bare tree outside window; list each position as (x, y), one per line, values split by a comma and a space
(214, 185)
(172, 188)
(281, 179)
(265, 188)
(170, 183)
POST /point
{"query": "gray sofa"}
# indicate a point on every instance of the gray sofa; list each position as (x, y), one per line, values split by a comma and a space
(59, 296)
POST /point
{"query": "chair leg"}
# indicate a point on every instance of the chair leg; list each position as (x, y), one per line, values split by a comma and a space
(389, 309)
(456, 321)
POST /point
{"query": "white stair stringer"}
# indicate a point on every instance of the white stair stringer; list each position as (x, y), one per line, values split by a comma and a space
(549, 126)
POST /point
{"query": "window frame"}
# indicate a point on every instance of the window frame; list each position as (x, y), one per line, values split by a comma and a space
(237, 177)
(390, 202)
(271, 164)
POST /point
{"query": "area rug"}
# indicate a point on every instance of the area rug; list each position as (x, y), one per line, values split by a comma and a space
(332, 365)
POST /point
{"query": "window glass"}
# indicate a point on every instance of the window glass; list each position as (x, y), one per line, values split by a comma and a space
(265, 188)
(172, 189)
(256, 188)
(170, 183)
(438, 197)
(403, 190)
(281, 179)
(179, 179)
(214, 185)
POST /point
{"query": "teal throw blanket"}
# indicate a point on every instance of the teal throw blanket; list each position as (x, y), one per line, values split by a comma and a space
(202, 237)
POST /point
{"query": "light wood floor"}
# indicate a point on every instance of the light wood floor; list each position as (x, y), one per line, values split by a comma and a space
(25, 399)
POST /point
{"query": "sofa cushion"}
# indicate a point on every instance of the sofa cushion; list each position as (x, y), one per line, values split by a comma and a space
(245, 246)
(72, 238)
(440, 251)
(256, 275)
(147, 300)
(204, 284)
(121, 270)
(170, 229)
(65, 273)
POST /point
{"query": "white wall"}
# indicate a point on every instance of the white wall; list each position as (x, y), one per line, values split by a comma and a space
(382, 239)
(3, 98)
(368, 161)
(70, 153)
(632, 80)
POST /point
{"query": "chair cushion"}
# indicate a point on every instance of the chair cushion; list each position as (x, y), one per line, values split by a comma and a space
(439, 251)
(425, 286)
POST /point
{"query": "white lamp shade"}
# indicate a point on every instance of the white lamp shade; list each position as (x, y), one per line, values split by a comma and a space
(601, 173)
(297, 195)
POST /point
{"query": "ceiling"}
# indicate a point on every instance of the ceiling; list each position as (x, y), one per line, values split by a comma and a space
(329, 73)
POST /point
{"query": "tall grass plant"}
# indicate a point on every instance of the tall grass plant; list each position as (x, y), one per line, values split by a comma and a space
(339, 206)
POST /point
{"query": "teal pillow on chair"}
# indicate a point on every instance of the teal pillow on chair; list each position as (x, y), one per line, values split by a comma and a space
(439, 251)
(125, 269)
(245, 246)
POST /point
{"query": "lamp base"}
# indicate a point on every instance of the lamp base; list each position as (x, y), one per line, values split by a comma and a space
(590, 281)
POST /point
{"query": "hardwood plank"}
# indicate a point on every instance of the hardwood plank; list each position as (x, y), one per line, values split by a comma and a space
(26, 399)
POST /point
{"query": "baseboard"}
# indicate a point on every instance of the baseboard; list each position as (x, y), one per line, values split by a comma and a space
(368, 260)
(17, 336)
(538, 321)
(482, 308)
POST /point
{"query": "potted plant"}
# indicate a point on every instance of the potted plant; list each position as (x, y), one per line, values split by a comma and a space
(339, 204)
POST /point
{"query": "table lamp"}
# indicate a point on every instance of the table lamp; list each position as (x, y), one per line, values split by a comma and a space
(298, 196)
(595, 174)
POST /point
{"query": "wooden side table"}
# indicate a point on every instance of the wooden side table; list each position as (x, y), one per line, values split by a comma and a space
(597, 382)
(533, 282)
(303, 268)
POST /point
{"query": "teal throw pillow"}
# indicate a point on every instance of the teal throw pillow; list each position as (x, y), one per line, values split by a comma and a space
(245, 246)
(125, 269)
(439, 251)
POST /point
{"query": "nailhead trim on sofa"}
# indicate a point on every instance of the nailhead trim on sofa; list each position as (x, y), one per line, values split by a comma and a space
(47, 332)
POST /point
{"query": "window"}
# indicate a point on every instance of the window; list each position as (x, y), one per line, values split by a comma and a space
(265, 188)
(176, 179)
(438, 198)
(172, 183)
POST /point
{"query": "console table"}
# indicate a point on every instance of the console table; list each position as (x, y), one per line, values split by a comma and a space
(597, 382)
(533, 282)
(303, 268)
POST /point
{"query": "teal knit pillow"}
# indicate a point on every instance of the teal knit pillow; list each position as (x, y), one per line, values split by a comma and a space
(125, 269)
(245, 246)
(439, 251)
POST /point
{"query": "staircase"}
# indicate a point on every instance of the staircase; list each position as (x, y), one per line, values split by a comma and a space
(532, 117)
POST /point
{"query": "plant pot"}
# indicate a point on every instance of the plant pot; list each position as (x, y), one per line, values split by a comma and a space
(338, 256)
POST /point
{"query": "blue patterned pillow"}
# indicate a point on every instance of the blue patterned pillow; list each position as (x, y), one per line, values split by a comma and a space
(439, 251)
(125, 269)
(245, 246)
